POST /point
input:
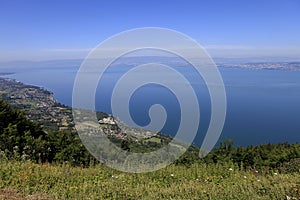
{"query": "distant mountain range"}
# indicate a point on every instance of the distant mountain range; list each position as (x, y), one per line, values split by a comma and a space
(253, 63)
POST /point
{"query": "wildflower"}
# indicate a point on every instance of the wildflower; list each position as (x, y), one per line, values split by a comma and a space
(112, 176)
(275, 173)
(67, 171)
(197, 179)
(172, 175)
(256, 171)
(245, 176)
(258, 180)
(230, 169)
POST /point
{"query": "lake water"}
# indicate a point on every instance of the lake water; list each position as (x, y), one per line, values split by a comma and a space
(263, 106)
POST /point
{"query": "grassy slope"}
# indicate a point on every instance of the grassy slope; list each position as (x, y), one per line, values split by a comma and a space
(199, 181)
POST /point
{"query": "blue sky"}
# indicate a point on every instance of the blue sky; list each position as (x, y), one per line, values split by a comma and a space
(52, 29)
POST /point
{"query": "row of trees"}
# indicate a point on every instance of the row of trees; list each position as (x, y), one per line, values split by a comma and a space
(266, 155)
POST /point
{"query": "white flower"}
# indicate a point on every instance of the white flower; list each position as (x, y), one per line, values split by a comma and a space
(197, 179)
(258, 180)
(245, 176)
(256, 171)
(172, 175)
(275, 173)
(230, 169)
(112, 176)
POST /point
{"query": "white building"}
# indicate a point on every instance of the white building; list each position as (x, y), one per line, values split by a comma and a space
(108, 120)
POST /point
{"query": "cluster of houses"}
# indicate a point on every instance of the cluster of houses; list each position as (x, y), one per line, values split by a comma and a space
(110, 127)
(38, 103)
(109, 120)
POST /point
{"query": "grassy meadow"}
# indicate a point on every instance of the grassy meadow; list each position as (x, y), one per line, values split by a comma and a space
(27, 180)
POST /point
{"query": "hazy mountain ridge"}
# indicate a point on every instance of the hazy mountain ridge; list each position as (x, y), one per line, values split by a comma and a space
(249, 63)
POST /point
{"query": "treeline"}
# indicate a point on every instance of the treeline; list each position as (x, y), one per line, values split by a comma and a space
(282, 156)
(20, 138)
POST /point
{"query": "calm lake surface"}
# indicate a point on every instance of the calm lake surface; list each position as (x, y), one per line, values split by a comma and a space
(263, 106)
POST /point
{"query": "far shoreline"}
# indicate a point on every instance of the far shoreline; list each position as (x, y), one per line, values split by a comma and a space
(6, 73)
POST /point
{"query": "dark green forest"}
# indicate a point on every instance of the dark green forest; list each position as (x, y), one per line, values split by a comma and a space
(20, 138)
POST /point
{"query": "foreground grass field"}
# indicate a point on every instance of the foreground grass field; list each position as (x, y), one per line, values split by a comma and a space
(26, 180)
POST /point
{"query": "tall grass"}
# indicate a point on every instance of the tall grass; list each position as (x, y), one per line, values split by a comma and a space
(198, 181)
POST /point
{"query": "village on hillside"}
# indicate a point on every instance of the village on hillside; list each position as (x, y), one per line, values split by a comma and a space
(40, 105)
